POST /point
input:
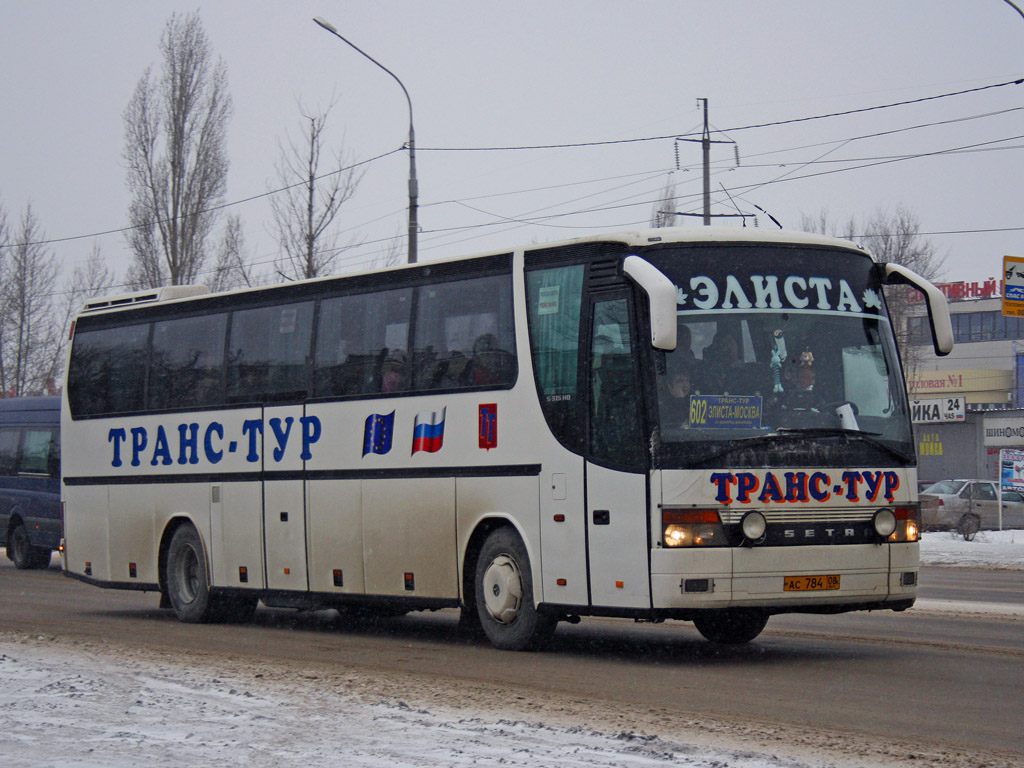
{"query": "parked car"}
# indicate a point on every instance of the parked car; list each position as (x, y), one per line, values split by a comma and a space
(30, 518)
(968, 506)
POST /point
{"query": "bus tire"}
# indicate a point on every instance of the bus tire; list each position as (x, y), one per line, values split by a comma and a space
(968, 526)
(731, 626)
(22, 552)
(503, 589)
(187, 584)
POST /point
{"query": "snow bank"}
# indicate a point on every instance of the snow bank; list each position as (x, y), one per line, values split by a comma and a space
(990, 549)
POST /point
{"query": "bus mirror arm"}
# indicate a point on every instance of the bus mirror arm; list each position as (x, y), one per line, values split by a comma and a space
(661, 300)
(938, 308)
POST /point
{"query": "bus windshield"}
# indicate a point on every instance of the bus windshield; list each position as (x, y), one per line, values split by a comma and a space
(790, 353)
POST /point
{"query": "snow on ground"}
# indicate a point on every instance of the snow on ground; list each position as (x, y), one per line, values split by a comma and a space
(77, 707)
(989, 549)
(75, 704)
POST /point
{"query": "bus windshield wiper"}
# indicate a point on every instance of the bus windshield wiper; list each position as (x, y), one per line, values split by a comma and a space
(785, 434)
(871, 438)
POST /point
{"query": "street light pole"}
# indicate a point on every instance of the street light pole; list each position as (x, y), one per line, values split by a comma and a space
(414, 191)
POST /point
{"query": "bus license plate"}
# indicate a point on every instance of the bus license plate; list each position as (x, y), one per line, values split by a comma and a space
(806, 583)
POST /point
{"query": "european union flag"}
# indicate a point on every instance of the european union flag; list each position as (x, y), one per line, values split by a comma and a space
(378, 432)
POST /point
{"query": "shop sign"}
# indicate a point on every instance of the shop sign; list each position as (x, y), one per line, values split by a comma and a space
(936, 410)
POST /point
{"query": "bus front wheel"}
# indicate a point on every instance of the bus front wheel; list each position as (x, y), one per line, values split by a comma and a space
(504, 595)
(730, 626)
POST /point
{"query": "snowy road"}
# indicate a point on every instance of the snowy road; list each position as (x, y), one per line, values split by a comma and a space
(72, 700)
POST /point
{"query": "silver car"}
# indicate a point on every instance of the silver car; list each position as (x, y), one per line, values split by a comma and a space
(968, 506)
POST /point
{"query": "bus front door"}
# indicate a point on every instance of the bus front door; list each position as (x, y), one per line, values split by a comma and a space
(284, 499)
(616, 503)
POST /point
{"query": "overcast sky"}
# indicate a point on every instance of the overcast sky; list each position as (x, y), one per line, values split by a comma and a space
(542, 73)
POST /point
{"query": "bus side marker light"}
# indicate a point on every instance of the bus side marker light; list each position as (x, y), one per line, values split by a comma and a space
(287, 571)
(559, 518)
(410, 582)
(338, 580)
(620, 584)
(132, 571)
(243, 574)
(561, 582)
(88, 568)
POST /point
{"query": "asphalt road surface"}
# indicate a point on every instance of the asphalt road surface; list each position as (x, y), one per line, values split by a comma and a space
(944, 679)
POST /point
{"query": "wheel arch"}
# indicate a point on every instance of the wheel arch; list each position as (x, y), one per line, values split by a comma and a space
(481, 530)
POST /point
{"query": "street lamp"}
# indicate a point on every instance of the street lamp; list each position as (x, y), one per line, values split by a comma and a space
(413, 183)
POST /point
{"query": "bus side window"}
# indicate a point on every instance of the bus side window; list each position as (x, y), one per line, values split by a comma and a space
(464, 334)
(269, 353)
(360, 339)
(554, 304)
(186, 364)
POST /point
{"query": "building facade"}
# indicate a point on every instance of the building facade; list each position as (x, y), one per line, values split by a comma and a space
(984, 368)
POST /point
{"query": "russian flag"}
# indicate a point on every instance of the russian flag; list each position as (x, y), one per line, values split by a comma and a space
(428, 431)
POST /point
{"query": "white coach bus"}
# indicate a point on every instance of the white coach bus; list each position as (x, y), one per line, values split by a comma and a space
(700, 424)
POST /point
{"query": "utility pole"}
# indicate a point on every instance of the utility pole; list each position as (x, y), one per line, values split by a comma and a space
(706, 142)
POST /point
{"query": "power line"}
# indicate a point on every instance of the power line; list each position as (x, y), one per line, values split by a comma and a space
(608, 142)
(220, 207)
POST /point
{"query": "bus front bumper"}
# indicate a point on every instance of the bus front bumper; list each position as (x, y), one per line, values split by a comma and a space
(786, 579)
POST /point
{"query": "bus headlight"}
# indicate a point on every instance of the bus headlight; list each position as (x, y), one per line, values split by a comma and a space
(692, 528)
(885, 523)
(753, 526)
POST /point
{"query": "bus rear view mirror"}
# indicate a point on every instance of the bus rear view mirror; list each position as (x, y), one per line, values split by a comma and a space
(938, 309)
(661, 300)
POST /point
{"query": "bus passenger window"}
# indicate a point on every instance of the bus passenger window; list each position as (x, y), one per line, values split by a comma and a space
(355, 337)
(464, 334)
(269, 352)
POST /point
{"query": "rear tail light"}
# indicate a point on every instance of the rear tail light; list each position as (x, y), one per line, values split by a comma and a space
(692, 528)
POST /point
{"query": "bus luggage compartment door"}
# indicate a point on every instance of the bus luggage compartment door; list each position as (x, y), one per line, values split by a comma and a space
(617, 538)
(284, 499)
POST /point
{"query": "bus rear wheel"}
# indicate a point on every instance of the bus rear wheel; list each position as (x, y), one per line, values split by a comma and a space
(188, 587)
(731, 626)
(22, 552)
(504, 595)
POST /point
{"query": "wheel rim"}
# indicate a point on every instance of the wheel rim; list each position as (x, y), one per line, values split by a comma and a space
(188, 574)
(20, 541)
(503, 589)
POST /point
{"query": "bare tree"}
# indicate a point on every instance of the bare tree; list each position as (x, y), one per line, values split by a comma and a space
(663, 214)
(86, 281)
(26, 318)
(393, 254)
(233, 269)
(892, 237)
(306, 209)
(175, 127)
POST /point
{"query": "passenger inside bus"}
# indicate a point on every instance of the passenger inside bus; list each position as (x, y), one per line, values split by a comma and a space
(393, 375)
(675, 400)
